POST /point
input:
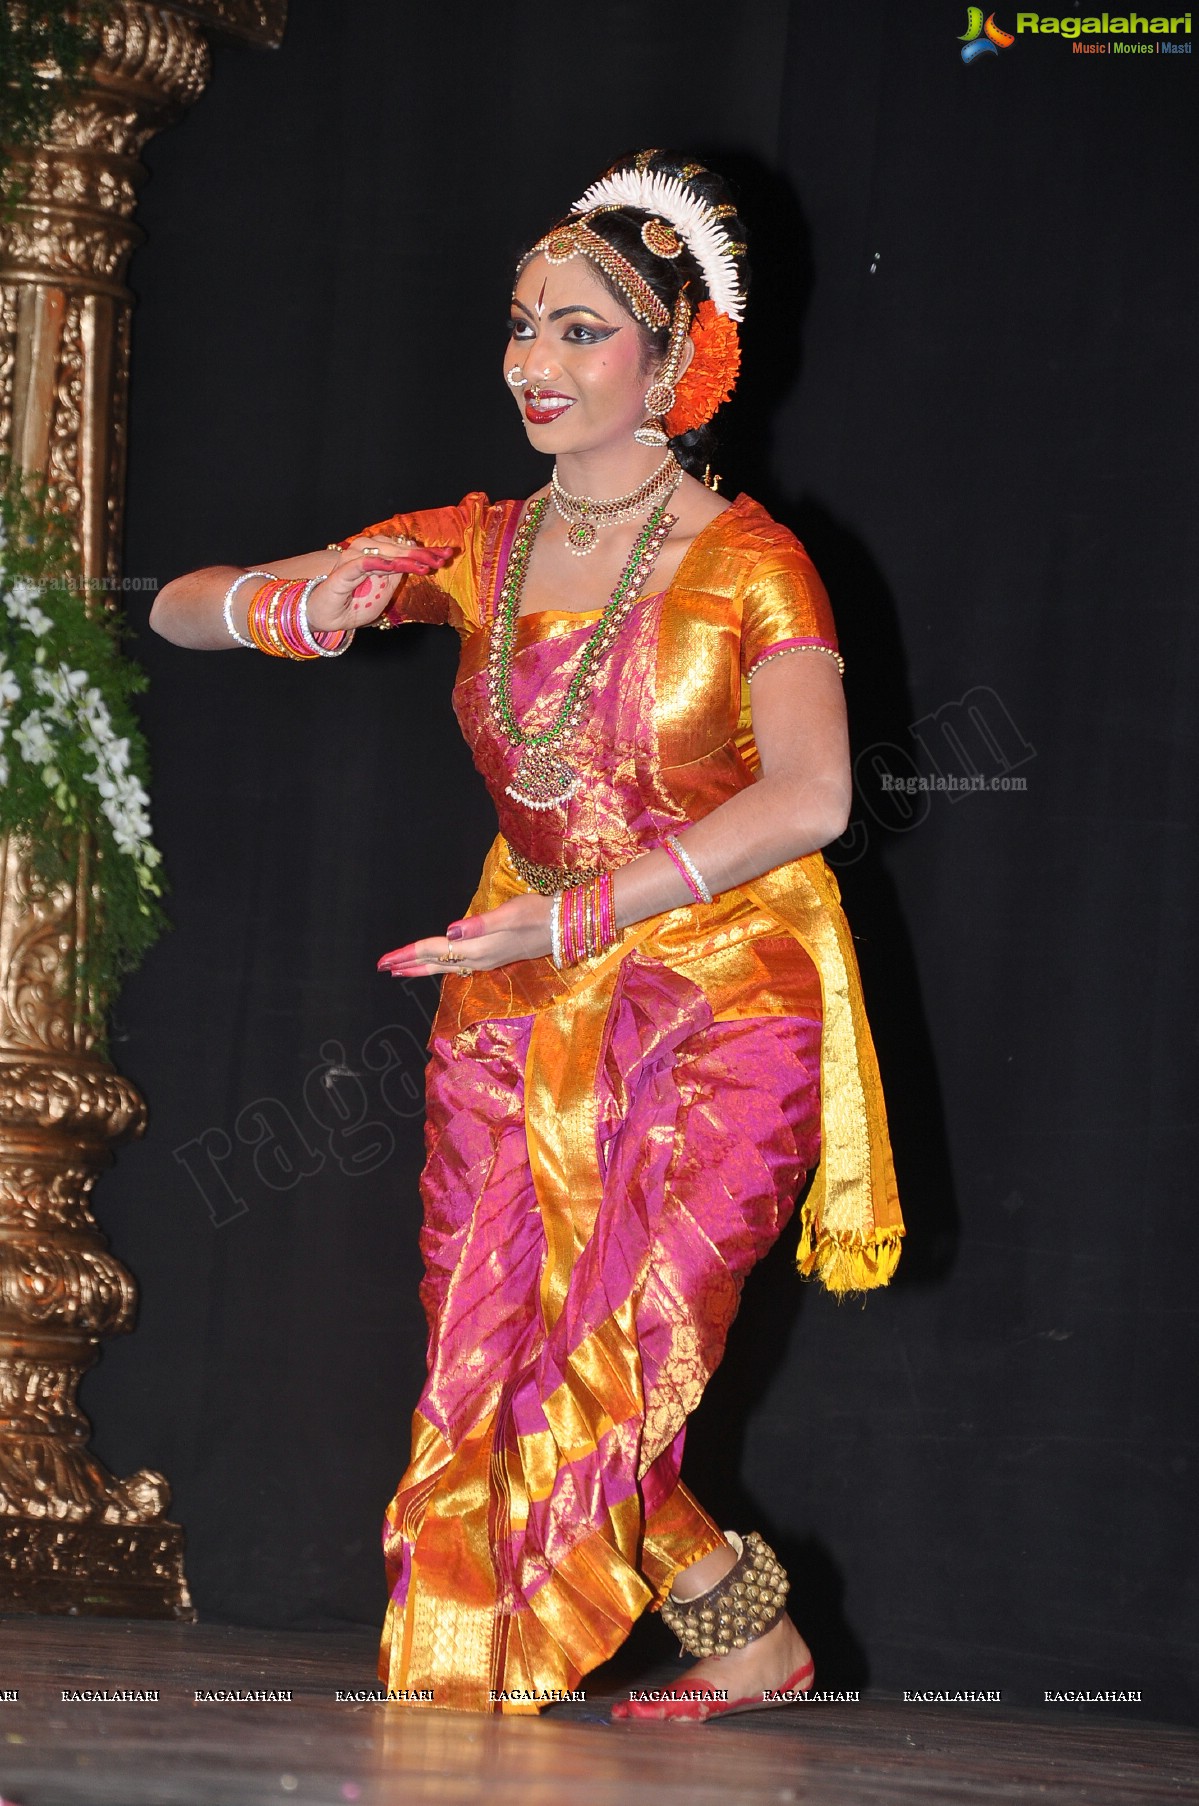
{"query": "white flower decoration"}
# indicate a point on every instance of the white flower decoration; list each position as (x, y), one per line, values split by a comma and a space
(694, 221)
(33, 738)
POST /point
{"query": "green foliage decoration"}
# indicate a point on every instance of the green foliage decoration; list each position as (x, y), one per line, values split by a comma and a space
(45, 52)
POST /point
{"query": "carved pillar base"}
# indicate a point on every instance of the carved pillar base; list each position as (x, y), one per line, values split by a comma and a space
(73, 1537)
(103, 1570)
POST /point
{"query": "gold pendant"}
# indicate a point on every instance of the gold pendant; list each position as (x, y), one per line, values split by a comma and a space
(582, 537)
(542, 779)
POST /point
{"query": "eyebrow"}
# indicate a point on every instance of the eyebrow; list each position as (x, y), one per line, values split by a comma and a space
(558, 312)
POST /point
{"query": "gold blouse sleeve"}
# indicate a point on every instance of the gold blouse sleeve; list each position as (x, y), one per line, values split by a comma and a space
(786, 606)
(451, 597)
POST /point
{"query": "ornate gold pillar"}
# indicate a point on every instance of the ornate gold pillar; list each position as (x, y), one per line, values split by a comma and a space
(73, 1538)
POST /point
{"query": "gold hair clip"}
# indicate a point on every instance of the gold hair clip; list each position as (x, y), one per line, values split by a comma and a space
(660, 237)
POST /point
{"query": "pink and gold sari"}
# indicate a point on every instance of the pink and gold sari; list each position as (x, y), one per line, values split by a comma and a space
(611, 1148)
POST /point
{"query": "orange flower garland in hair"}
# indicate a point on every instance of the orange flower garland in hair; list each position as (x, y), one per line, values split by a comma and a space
(711, 376)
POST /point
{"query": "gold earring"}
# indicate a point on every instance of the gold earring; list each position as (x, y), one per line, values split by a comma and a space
(659, 399)
(660, 396)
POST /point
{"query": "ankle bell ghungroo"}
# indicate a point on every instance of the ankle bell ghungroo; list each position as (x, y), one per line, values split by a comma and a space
(738, 1609)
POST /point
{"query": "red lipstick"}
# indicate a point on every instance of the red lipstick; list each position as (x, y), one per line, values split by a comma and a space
(549, 405)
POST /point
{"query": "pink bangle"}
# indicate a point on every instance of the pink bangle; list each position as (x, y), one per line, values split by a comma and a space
(289, 631)
(584, 925)
(569, 950)
(258, 617)
(581, 920)
(607, 912)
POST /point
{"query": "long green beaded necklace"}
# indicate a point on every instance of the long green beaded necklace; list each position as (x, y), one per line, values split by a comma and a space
(543, 778)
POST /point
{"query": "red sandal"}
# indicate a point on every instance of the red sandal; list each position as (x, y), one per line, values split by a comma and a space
(696, 1705)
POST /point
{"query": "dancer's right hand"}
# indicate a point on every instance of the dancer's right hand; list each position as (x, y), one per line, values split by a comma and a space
(366, 577)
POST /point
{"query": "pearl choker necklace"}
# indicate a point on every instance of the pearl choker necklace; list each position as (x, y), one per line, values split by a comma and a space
(584, 515)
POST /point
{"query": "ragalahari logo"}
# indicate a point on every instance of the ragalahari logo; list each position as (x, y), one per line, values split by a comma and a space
(982, 37)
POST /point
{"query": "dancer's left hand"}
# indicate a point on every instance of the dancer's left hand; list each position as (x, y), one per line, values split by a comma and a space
(518, 929)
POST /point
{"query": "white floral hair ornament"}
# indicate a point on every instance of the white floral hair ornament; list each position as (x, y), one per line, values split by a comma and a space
(694, 220)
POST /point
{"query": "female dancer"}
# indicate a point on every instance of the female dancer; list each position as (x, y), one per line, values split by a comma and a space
(651, 1027)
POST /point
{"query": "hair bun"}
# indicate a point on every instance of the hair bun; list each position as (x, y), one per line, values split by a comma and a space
(681, 202)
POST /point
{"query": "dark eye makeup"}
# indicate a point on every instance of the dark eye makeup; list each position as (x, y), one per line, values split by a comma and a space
(578, 334)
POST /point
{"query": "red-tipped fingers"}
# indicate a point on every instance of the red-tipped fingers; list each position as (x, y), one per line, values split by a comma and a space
(418, 960)
(437, 555)
(405, 558)
(406, 566)
(412, 955)
(431, 556)
(398, 956)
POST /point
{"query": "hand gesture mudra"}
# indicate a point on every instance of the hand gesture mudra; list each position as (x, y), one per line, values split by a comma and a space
(515, 930)
(365, 578)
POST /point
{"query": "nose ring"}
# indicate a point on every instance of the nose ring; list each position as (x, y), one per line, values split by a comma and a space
(516, 377)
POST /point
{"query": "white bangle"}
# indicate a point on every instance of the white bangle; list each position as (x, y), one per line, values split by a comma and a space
(556, 929)
(227, 610)
(699, 890)
(307, 632)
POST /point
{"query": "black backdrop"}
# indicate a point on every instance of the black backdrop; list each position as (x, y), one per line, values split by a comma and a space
(967, 392)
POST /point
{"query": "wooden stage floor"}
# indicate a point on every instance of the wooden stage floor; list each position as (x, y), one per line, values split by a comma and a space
(317, 1751)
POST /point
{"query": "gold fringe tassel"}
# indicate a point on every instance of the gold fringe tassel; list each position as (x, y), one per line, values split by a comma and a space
(847, 1264)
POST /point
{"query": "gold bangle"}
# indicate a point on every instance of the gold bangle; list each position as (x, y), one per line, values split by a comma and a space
(272, 622)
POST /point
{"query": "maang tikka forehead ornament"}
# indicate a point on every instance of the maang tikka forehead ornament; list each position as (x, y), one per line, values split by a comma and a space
(576, 239)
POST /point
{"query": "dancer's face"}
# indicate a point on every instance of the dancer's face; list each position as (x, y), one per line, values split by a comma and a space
(583, 353)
